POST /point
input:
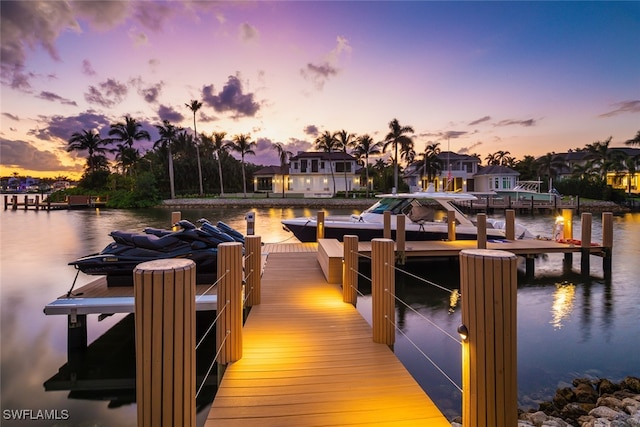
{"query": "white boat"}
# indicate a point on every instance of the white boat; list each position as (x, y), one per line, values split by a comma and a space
(525, 190)
(426, 219)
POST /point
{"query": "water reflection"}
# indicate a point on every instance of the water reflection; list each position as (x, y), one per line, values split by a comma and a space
(563, 299)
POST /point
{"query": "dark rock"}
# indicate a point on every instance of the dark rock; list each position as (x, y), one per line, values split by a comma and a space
(631, 383)
(605, 386)
(574, 410)
(585, 393)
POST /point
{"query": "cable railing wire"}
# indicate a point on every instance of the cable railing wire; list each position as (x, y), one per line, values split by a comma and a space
(211, 366)
(211, 326)
(424, 280)
(435, 365)
(212, 286)
(427, 319)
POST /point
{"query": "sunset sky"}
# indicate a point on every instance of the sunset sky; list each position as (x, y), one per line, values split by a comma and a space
(524, 77)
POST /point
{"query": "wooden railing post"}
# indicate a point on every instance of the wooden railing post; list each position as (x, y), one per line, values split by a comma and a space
(320, 225)
(451, 226)
(400, 239)
(383, 289)
(350, 270)
(164, 292)
(229, 309)
(510, 224)
(253, 267)
(386, 219)
(488, 283)
(481, 225)
(607, 241)
(585, 247)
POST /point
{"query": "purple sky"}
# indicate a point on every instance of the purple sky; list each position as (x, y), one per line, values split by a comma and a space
(526, 77)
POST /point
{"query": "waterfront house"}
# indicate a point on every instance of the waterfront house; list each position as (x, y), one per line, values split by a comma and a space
(311, 174)
(456, 173)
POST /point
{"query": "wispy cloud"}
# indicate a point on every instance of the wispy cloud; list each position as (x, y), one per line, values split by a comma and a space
(50, 96)
(480, 120)
(511, 122)
(319, 73)
(623, 107)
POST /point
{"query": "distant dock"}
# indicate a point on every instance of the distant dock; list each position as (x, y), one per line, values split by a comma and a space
(34, 202)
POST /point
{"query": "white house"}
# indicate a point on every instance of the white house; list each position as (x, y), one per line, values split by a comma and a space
(310, 174)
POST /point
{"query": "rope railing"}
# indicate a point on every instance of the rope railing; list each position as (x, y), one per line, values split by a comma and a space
(213, 362)
(435, 365)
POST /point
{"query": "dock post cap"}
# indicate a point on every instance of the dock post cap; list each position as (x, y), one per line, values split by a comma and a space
(165, 264)
(494, 253)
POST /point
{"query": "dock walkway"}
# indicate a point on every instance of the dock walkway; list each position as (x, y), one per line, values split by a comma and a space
(309, 359)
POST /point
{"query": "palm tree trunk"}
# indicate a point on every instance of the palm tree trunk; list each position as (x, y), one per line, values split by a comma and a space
(244, 179)
(220, 173)
(199, 168)
(171, 177)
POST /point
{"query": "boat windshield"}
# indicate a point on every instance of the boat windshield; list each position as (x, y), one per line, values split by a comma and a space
(394, 205)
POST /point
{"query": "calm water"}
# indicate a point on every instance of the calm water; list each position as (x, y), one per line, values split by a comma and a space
(568, 325)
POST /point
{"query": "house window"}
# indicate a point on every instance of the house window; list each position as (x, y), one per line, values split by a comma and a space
(295, 165)
(303, 166)
(343, 166)
(506, 183)
(314, 166)
(322, 165)
(496, 183)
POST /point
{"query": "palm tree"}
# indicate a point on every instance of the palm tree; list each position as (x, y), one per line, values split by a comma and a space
(243, 145)
(91, 142)
(397, 135)
(327, 143)
(345, 140)
(284, 156)
(635, 140)
(549, 164)
(168, 134)
(432, 165)
(364, 148)
(220, 146)
(194, 106)
(127, 133)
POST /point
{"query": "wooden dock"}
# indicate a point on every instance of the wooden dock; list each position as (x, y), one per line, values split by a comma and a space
(309, 359)
(34, 202)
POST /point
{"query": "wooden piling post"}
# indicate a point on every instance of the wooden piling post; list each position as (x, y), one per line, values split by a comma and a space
(510, 224)
(229, 325)
(26, 202)
(14, 199)
(320, 225)
(175, 217)
(451, 225)
(400, 239)
(6, 202)
(350, 270)
(38, 202)
(567, 227)
(386, 219)
(481, 225)
(586, 242)
(488, 283)
(253, 268)
(607, 241)
(383, 288)
(164, 292)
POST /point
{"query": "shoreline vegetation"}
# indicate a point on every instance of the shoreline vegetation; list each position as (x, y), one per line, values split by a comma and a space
(320, 203)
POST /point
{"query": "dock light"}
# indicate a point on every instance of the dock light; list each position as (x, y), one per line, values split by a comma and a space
(463, 332)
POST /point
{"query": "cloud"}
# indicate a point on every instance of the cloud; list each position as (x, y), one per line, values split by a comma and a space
(231, 98)
(26, 25)
(59, 127)
(623, 107)
(510, 122)
(480, 120)
(110, 93)
(465, 150)
(169, 113)
(87, 68)
(453, 134)
(11, 116)
(22, 154)
(248, 33)
(311, 130)
(319, 73)
(149, 92)
(50, 96)
(137, 37)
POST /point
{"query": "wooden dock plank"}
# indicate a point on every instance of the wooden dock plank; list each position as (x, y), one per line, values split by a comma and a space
(309, 359)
